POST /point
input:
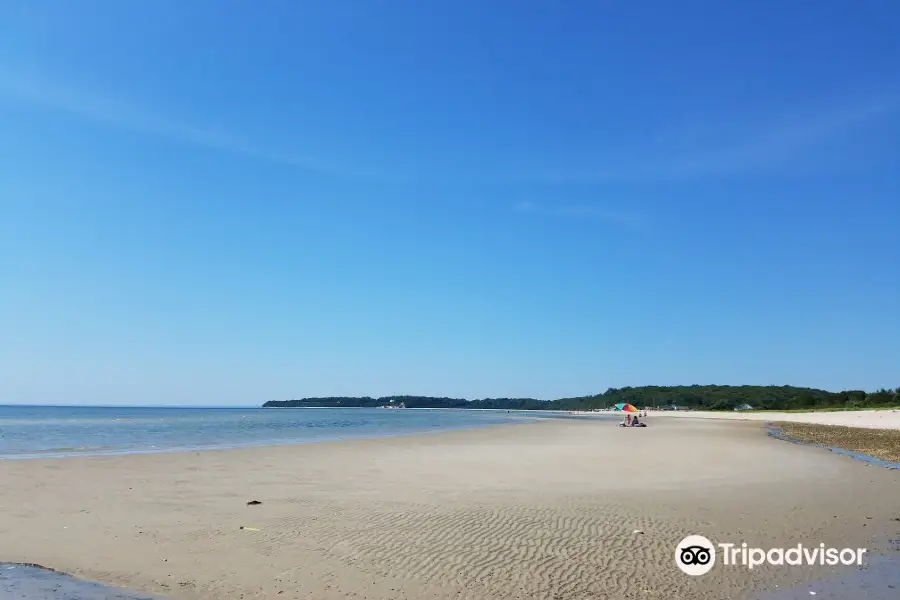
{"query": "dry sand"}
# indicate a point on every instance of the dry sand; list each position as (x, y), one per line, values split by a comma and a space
(537, 511)
(866, 419)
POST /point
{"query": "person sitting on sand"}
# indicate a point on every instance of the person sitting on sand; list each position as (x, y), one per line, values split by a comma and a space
(635, 422)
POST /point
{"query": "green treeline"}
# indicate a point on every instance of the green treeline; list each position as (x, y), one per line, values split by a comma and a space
(729, 397)
(706, 397)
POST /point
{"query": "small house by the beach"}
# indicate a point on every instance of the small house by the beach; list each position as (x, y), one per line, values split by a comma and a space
(744, 406)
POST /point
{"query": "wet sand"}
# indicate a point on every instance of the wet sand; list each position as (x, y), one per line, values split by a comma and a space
(542, 510)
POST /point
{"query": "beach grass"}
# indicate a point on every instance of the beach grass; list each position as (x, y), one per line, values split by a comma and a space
(879, 443)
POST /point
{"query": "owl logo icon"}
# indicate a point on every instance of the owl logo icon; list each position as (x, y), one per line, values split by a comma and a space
(695, 555)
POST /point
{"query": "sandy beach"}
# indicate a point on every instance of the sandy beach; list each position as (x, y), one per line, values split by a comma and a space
(545, 510)
(867, 419)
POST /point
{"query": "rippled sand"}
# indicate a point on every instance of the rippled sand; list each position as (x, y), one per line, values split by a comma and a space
(539, 511)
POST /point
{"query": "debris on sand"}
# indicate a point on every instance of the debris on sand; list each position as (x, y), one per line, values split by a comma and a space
(883, 444)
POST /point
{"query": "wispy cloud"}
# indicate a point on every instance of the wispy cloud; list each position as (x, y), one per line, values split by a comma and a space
(781, 142)
(741, 146)
(127, 116)
(623, 219)
(736, 147)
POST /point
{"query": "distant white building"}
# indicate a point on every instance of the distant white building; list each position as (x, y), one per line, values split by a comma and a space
(744, 406)
(392, 405)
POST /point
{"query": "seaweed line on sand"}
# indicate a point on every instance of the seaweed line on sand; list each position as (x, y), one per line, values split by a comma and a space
(875, 446)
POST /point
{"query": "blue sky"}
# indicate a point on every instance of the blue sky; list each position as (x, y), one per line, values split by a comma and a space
(230, 202)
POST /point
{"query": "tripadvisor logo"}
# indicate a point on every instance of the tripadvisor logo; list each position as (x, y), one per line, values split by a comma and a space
(695, 555)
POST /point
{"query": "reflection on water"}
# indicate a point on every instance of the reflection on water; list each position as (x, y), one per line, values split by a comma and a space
(21, 582)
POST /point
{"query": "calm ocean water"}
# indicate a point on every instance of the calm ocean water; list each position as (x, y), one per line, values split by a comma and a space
(45, 431)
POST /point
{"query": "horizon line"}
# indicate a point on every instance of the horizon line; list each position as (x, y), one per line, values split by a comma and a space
(261, 405)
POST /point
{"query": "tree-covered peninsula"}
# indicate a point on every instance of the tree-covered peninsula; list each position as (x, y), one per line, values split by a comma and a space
(701, 397)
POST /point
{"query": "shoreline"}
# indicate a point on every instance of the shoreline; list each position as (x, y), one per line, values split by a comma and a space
(875, 446)
(487, 512)
(242, 446)
(517, 419)
(37, 582)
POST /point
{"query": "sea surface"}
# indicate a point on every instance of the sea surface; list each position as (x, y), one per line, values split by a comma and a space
(60, 431)
(31, 582)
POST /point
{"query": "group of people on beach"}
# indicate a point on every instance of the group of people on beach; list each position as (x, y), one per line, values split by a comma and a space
(634, 421)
